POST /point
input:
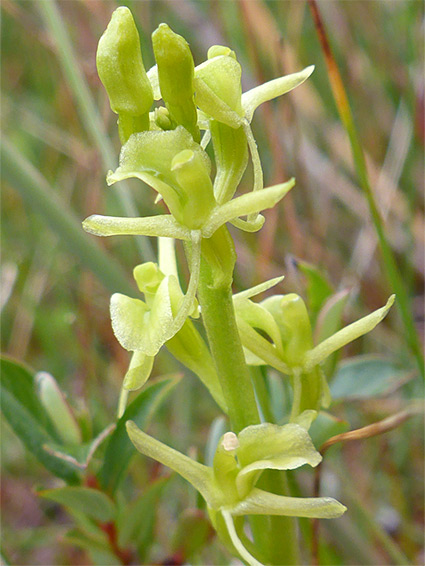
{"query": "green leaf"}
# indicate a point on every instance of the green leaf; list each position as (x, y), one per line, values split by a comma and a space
(136, 520)
(91, 502)
(79, 455)
(27, 417)
(120, 449)
(195, 522)
(96, 545)
(57, 408)
(365, 377)
(318, 287)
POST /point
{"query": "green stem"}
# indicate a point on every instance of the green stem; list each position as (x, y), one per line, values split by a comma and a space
(219, 320)
(274, 537)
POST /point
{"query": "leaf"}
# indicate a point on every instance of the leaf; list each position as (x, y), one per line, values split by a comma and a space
(97, 546)
(136, 520)
(81, 455)
(365, 377)
(91, 502)
(56, 406)
(120, 449)
(318, 287)
(26, 416)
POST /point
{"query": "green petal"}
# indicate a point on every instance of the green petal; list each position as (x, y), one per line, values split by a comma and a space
(129, 320)
(162, 225)
(346, 335)
(138, 372)
(258, 317)
(246, 204)
(261, 502)
(249, 225)
(218, 88)
(272, 89)
(200, 476)
(269, 446)
(261, 347)
(258, 289)
(290, 314)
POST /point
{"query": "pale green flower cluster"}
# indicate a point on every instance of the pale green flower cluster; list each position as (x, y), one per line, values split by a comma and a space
(165, 148)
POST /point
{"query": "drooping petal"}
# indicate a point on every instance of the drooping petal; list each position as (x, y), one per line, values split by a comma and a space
(246, 204)
(138, 372)
(162, 225)
(346, 335)
(261, 502)
(272, 89)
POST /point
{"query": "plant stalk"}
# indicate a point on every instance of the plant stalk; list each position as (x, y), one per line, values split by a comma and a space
(274, 537)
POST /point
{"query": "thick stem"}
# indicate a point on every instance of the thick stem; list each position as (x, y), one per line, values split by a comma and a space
(219, 320)
(275, 537)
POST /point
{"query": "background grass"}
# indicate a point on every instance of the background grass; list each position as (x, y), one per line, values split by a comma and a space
(55, 303)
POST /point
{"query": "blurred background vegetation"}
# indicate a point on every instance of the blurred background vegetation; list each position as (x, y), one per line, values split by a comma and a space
(60, 138)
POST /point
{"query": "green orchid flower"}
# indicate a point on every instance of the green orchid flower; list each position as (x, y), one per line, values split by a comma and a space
(290, 349)
(143, 327)
(178, 169)
(229, 485)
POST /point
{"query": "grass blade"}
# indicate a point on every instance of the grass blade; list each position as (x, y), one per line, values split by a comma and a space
(390, 265)
(34, 188)
(88, 111)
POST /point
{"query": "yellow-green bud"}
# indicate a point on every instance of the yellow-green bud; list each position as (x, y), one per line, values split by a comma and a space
(120, 67)
(176, 71)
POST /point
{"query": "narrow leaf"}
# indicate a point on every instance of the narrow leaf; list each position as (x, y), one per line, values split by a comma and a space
(91, 502)
(26, 416)
(119, 449)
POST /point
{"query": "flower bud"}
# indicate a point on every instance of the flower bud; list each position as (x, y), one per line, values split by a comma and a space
(120, 67)
(176, 71)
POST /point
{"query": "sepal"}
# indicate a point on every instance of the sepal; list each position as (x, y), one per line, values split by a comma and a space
(272, 89)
